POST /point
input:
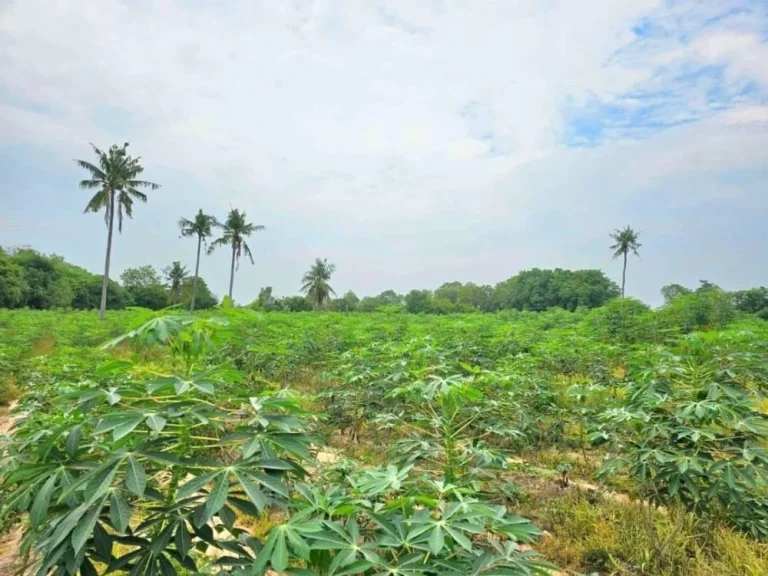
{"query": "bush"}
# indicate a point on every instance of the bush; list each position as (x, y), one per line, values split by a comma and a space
(624, 320)
(700, 310)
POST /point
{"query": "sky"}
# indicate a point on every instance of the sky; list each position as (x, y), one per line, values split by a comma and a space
(409, 142)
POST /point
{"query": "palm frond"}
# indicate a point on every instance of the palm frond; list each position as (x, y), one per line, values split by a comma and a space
(247, 251)
(94, 170)
(223, 241)
(135, 194)
(142, 184)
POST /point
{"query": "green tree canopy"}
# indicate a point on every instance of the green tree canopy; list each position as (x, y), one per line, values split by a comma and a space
(538, 290)
(175, 275)
(316, 282)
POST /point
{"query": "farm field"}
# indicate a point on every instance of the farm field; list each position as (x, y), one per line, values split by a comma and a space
(612, 441)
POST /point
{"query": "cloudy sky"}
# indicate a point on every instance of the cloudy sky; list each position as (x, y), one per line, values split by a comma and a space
(410, 142)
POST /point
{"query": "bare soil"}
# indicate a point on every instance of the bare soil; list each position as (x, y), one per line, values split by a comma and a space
(10, 562)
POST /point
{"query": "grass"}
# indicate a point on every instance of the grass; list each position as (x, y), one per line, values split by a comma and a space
(592, 534)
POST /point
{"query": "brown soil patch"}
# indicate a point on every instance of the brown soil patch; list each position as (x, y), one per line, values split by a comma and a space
(10, 563)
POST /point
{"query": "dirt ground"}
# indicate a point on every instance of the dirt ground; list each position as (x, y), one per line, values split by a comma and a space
(10, 563)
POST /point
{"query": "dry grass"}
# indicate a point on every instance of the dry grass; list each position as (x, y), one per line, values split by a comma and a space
(592, 534)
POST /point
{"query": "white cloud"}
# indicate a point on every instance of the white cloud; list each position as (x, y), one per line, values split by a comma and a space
(376, 117)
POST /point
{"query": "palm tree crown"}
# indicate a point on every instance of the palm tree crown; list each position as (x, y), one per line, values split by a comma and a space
(235, 230)
(175, 274)
(115, 176)
(625, 242)
(316, 284)
(202, 226)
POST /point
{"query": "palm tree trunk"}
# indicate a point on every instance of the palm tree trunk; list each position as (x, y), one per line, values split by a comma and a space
(232, 273)
(197, 269)
(105, 284)
(624, 275)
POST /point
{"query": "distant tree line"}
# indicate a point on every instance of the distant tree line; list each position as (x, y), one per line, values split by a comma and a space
(29, 279)
(709, 300)
(529, 290)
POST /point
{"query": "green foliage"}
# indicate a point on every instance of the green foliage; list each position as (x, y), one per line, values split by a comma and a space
(148, 463)
(144, 288)
(234, 231)
(14, 289)
(542, 289)
(702, 309)
(691, 435)
(33, 280)
(315, 283)
(347, 303)
(418, 301)
(625, 321)
(375, 303)
(672, 291)
(187, 431)
(175, 275)
(751, 301)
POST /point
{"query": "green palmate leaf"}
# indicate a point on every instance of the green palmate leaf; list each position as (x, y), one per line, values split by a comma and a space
(85, 527)
(218, 496)
(100, 482)
(156, 422)
(120, 424)
(436, 540)
(227, 516)
(272, 483)
(162, 458)
(73, 440)
(253, 491)
(279, 558)
(166, 568)
(197, 483)
(183, 539)
(298, 544)
(112, 396)
(292, 443)
(459, 538)
(67, 524)
(250, 447)
(119, 511)
(203, 386)
(181, 386)
(102, 542)
(42, 501)
(360, 566)
(135, 477)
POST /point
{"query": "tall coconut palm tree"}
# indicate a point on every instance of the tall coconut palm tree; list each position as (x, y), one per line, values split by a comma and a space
(115, 177)
(316, 285)
(175, 274)
(201, 227)
(625, 242)
(235, 230)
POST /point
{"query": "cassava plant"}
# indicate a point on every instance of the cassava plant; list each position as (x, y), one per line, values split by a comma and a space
(690, 437)
(144, 475)
(396, 522)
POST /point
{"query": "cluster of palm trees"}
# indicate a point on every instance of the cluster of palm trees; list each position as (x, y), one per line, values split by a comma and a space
(234, 231)
(115, 177)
